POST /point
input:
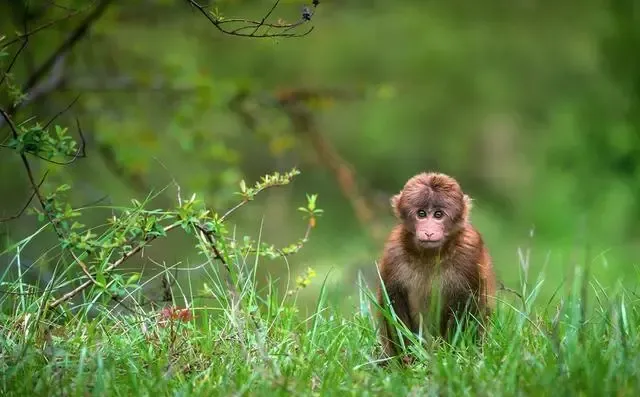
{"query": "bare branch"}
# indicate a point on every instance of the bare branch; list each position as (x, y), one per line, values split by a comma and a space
(228, 26)
(25, 36)
(53, 82)
(13, 61)
(94, 202)
(275, 4)
(60, 113)
(26, 205)
(56, 58)
(78, 33)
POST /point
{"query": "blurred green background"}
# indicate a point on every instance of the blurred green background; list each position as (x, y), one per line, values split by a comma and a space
(532, 105)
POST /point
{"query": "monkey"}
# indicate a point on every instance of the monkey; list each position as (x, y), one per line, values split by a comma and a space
(435, 267)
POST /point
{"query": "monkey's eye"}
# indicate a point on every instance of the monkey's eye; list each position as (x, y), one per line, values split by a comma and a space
(422, 214)
(438, 214)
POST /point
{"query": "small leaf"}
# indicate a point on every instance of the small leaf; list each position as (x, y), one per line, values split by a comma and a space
(133, 279)
(102, 282)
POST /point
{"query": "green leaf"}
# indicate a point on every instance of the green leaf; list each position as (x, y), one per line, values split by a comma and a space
(101, 280)
(133, 279)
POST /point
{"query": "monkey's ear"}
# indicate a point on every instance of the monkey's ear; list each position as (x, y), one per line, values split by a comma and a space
(466, 212)
(395, 199)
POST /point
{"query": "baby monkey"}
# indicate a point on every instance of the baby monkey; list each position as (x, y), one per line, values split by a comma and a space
(435, 267)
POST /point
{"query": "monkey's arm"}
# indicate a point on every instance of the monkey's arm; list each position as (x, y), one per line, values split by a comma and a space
(464, 298)
(399, 300)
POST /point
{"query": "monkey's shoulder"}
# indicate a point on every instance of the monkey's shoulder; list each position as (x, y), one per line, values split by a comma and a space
(394, 247)
(470, 255)
(469, 242)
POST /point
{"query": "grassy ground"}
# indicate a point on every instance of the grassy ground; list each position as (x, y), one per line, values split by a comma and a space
(259, 344)
(241, 337)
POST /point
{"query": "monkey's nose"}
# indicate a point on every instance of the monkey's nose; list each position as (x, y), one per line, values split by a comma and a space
(428, 234)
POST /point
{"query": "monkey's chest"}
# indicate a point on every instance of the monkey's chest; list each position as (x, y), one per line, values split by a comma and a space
(429, 294)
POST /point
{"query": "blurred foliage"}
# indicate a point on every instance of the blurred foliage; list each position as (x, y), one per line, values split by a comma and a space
(533, 108)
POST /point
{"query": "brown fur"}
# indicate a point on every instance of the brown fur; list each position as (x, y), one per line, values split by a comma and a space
(411, 266)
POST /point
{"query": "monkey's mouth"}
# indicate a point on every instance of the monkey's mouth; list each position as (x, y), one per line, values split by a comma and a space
(430, 243)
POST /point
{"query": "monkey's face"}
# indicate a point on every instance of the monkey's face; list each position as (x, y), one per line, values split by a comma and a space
(429, 226)
(432, 208)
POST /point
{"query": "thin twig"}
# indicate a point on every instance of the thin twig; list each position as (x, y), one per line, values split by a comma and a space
(282, 28)
(61, 112)
(516, 293)
(299, 245)
(25, 36)
(111, 267)
(78, 33)
(211, 239)
(34, 185)
(26, 205)
(80, 152)
(94, 202)
(13, 61)
(275, 4)
(245, 201)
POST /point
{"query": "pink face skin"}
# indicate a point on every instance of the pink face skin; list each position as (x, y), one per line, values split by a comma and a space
(430, 228)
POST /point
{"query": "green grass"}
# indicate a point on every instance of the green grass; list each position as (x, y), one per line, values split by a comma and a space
(586, 344)
(250, 337)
